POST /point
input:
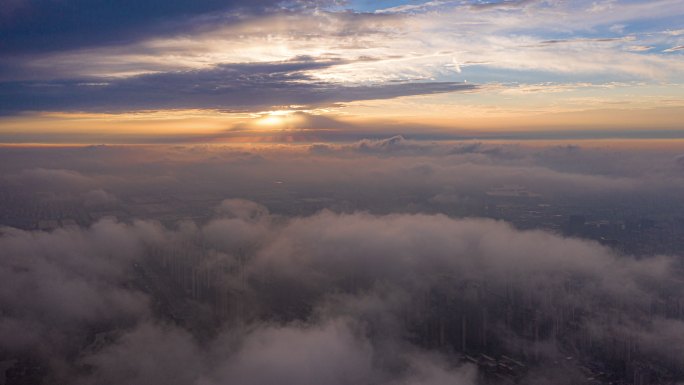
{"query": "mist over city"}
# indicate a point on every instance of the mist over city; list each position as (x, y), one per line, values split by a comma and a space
(353, 192)
(382, 261)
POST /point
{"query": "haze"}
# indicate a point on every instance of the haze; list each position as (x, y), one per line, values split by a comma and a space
(353, 192)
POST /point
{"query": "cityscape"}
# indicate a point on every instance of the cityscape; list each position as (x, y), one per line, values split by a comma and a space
(341, 192)
(208, 262)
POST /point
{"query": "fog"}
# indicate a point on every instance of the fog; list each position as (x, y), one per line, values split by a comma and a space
(410, 262)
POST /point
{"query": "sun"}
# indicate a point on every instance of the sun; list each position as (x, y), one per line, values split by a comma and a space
(274, 118)
(277, 119)
(270, 120)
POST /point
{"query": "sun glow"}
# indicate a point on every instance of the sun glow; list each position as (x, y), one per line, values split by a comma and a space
(276, 118)
(270, 120)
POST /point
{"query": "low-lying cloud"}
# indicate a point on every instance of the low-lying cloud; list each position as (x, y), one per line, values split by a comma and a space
(328, 298)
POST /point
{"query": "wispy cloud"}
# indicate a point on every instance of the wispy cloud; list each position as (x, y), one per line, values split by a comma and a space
(236, 56)
(675, 49)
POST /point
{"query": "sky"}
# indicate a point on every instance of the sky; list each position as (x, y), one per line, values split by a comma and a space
(78, 71)
(305, 192)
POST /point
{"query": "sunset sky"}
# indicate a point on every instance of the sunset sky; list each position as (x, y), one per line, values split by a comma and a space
(97, 71)
(341, 192)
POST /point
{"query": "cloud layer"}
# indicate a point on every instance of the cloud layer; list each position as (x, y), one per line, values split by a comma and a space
(347, 270)
(235, 88)
(237, 56)
(327, 298)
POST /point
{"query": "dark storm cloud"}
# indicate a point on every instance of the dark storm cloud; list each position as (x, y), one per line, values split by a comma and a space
(38, 26)
(231, 87)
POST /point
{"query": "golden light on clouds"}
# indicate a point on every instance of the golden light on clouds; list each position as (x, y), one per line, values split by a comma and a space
(404, 66)
(270, 120)
(276, 119)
